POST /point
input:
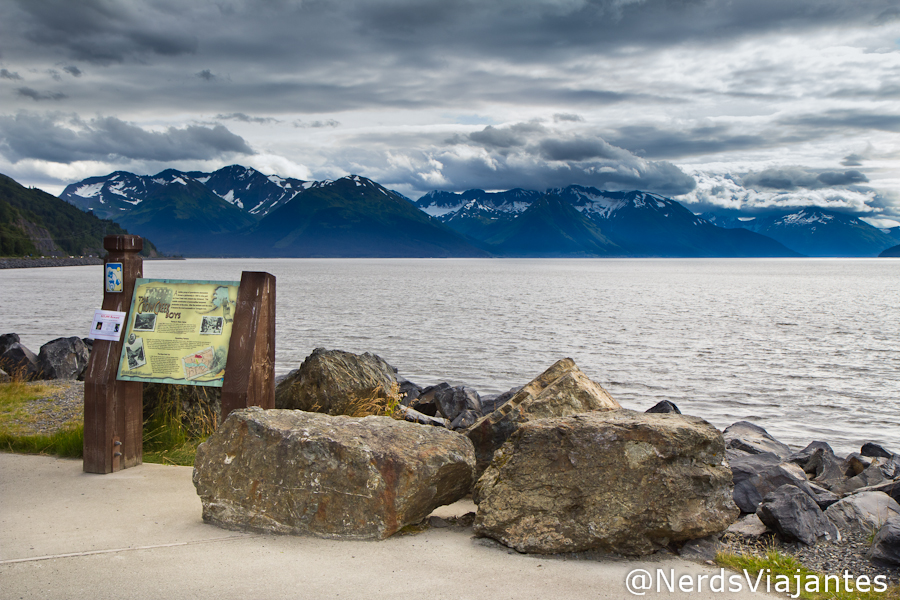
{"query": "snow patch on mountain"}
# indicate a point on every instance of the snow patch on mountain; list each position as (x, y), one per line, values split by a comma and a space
(89, 191)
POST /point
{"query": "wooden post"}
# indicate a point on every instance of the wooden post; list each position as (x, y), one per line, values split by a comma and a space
(113, 410)
(250, 368)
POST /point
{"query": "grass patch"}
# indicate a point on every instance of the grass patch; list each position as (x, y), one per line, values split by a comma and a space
(14, 396)
(783, 571)
(66, 443)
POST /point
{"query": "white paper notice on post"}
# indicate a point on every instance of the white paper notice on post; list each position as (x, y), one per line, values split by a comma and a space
(107, 325)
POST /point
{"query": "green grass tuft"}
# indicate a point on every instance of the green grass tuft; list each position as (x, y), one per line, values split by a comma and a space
(776, 563)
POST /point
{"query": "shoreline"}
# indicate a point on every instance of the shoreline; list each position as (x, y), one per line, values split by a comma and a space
(32, 263)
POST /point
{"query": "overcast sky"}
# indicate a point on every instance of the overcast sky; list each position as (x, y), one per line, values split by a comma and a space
(741, 103)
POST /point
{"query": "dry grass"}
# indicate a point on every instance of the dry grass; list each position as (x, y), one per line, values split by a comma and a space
(376, 404)
(14, 396)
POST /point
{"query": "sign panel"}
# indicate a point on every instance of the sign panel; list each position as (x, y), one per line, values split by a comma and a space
(179, 332)
(107, 325)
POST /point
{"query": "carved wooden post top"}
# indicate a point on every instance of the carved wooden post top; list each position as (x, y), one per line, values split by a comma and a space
(123, 243)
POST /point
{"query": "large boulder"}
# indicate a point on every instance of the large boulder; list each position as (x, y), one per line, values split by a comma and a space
(454, 401)
(792, 513)
(873, 450)
(19, 362)
(744, 437)
(756, 475)
(7, 340)
(63, 358)
(560, 391)
(869, 473)
(886, 545)
(337, 383)
(618, 481)
(863, 513)
(290, 471)
(819, 462)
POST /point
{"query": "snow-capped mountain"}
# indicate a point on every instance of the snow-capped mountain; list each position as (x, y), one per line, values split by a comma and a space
(246, 188)
(815, 231)
(444, 205)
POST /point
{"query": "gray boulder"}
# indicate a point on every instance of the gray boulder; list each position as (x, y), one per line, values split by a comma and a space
(886, 545)
(492, 403)
(757, 475)
(618, 481)
(873, 450)
(426, 403)
(63, 358)
(793, 515)
(337, 383)
(744, 437)
(891, 488)
(863, 513)
(409, 391)
(19, 362)
(748, 527)
(875, 472)
(452, 402)
(290, 471)
(560, 391)
(7, 340)
(819, 462)
(664, 406)
(465, 419)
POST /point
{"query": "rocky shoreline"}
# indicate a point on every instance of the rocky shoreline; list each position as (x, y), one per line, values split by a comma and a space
(30, 263)
(559, 441)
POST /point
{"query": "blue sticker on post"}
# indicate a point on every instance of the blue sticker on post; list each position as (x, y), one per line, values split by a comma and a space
(114, 278)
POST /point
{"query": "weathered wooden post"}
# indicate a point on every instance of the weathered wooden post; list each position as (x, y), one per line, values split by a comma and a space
(113, 410)
(250, 367)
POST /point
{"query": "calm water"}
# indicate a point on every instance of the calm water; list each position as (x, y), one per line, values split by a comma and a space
(807, 348)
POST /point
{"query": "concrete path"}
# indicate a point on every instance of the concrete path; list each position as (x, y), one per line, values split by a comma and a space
(138, 534)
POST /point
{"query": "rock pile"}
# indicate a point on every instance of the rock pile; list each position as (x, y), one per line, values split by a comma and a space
(62, 358)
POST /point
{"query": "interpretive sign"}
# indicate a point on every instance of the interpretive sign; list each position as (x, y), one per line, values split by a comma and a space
(179, 332)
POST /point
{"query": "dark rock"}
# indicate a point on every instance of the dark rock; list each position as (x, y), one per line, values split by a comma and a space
(862, 513)
(280, 378)
(337, 383)
(701, 549)
(409, 391)
(63, 358)
(414, 416)
(617, 480)
(664, 406)
(437, 523)
(878, 471)
(7, 340)
(824, 498)
(426, 403)
(19, 362)
(492, 403)
(855, 464)
(819, 462)
(748, 527)
(465, 419)
(560, 391)
(4, 376)
(793, 515)
(748, 438)
(291, 471)
(886, 545)
(88, 343)
(806, 458)
(756, 475)
(873, 450)
(454, 401)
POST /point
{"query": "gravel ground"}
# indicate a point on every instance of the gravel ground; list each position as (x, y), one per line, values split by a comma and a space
(829, 558)
(62, 406)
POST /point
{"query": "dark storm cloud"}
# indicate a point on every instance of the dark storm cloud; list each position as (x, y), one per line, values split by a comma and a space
(792, 178)
(206, 74)
(5, 74)
(846, 119)
(663, 143)
(244, 118)
(526, 155)
(65, 140)
(852, 160)
(103, 31)
(27, 92)
(73, 70)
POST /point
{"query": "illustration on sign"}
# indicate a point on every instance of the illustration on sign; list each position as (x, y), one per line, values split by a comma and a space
(179, 332)
(114, 277)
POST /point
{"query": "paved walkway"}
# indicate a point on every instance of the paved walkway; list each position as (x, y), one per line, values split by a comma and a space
(137, 534)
